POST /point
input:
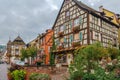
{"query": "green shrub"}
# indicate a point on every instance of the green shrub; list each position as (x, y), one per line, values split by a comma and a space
(86, 64)
(18, 75)
(38, 76)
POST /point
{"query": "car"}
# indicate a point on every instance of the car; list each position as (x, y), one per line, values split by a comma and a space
(18, 62)
(1, 62)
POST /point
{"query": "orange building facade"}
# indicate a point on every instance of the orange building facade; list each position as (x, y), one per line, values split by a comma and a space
(45, 43)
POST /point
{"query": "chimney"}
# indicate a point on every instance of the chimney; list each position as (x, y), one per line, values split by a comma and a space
(101, 8)
(48, 30)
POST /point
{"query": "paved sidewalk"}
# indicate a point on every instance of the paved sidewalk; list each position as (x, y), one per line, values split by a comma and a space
(3, 72)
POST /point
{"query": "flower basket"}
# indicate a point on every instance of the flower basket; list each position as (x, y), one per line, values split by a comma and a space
(60, 47)
(61, 34)
(76, 29)
(75, 44)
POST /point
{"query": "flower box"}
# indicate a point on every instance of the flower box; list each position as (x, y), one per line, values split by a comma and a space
(76, 29)
(75, 44)
(60, 47)
(61, 34)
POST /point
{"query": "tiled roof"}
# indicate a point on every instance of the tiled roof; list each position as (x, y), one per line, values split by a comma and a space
(93, 11)
(18, 40)
(85, 7)
(88, 9)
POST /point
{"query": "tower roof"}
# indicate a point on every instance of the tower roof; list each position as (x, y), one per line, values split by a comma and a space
(18, 40)
(9, 42)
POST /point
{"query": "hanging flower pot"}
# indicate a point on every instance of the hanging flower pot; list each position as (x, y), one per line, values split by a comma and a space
(75, 44)
(76, 29)
(61, 33)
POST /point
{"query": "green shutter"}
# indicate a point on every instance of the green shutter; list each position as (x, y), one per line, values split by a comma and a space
(80, 36)
(71, 24)
(80, 20)
(71, 37)
(57, 42)
(65, 40)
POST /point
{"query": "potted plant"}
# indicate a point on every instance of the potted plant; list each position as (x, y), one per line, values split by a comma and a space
(38, 63)
(61, 33)
(10, 70)
(18, 75)
(9, 76)
(75, 44)
(76, 29)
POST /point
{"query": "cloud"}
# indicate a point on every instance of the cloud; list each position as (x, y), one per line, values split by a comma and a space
(93, 2)
(28, 18)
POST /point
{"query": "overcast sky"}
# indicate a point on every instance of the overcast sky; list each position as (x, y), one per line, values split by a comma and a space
(28, 18)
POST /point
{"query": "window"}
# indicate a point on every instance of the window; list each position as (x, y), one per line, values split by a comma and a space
(71, 38)
(65, 40)
(56, 42)
(76, 37)
(67, 13)
(76, 22)
(16, 47)
(62, 28)
(17, 51)
(71, 24)
(12, 46)
(91, 34)
(114, 42)
(81, 20)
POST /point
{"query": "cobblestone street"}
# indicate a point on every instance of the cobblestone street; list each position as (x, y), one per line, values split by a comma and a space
(3, 72)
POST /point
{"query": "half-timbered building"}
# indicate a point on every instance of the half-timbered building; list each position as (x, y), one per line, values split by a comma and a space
(14, 49)
(77, 25)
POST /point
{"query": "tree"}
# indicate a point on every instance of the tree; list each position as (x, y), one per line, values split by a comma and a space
(119, 37)
(113, 52)
(52, 56)
(32, 51)
(24, 54)
(85, 60)
(29, 52)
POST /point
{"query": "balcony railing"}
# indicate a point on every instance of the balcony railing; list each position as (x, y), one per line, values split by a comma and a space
(76, 29)
(76, 44)
(61, 33)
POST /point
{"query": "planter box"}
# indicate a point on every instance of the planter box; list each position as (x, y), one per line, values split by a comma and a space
(60, 47)
(76, 29)
(75, 44)
(61, 34)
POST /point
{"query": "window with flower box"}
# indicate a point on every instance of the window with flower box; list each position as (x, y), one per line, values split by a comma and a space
(76, 22)
(66, 40)
(70, 26)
